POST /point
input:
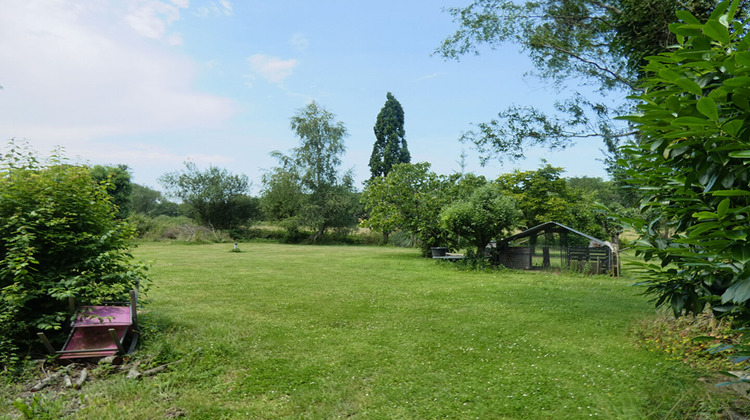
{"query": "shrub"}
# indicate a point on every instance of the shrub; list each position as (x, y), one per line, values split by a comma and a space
(690, 164)
(689, 339)
(59, 238)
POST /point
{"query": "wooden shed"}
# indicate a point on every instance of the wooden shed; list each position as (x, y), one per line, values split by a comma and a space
(554, 245)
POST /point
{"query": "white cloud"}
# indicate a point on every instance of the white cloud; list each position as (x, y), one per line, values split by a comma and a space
(227, 7)
(215, 9)
(74, 74)
(174, 40)
(151, 18)
(272, 69)
(299, 42)
(428, 77)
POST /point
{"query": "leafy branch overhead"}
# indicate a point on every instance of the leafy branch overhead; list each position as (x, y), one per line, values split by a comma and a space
(600, 43)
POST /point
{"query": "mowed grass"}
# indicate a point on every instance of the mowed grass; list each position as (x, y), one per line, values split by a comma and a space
(285, 331)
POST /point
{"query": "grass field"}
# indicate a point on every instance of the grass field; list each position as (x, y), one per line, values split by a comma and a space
(285, 331)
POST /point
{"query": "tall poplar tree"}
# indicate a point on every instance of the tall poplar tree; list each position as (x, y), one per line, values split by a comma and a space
(390, 142)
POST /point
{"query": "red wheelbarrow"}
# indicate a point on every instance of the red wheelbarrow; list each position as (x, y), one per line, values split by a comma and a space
(100, 331)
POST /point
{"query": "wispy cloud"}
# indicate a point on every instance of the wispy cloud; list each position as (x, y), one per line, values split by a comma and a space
(227, 7)
(151, 19)
(272, 69)
(299, 42)
(215, 9)
(428, 77)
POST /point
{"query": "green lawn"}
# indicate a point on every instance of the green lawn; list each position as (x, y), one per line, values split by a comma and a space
(284, 331)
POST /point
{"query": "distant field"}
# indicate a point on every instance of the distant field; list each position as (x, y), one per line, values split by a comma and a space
(285, 331)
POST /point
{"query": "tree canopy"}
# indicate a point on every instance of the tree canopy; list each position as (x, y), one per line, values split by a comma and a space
(411, 197)
(147, 201)
(217, 198)
(486, 214)
(390, 142)
(321, 145)
(307, 187)
(117, 181)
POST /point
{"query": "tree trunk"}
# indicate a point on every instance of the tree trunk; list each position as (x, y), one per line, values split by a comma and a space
(319, 234)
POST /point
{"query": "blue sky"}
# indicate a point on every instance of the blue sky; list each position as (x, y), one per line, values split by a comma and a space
(151, 84)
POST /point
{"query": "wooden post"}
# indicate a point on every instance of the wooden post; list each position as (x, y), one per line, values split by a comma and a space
(116, 339)
(134, 307)
(46, 342)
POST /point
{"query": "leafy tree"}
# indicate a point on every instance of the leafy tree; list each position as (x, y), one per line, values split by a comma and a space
(599, 189)
(217, 198)
(321, 145)
(485, 214)
(691, 164)
(307, 189)
(144, 200)
(117, 180)
(597, 42)
(390, 142)
(281, 197)
(410, 198)
(59, 238)
(542, 195)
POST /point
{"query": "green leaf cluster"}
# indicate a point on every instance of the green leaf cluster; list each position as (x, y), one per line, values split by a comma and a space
(117, 181)
(216, 197)
(410, 199)
(486, 214)
(390, 143)
(59, 238)
(307, 189)
(544, 195)
(691, 166)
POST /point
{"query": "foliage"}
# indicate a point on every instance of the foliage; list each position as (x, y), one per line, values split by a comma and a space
(306, 189)
(390, 145)
(485, 214)
(178, 228)
(544, 195)
(689, 339)
(59, 239)
(281, 197)
(117, 180)
(605, 192)
(217, 198)
(597, 42)
(690, 164)
(410, 198)
(318, 156)
(147, 201)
